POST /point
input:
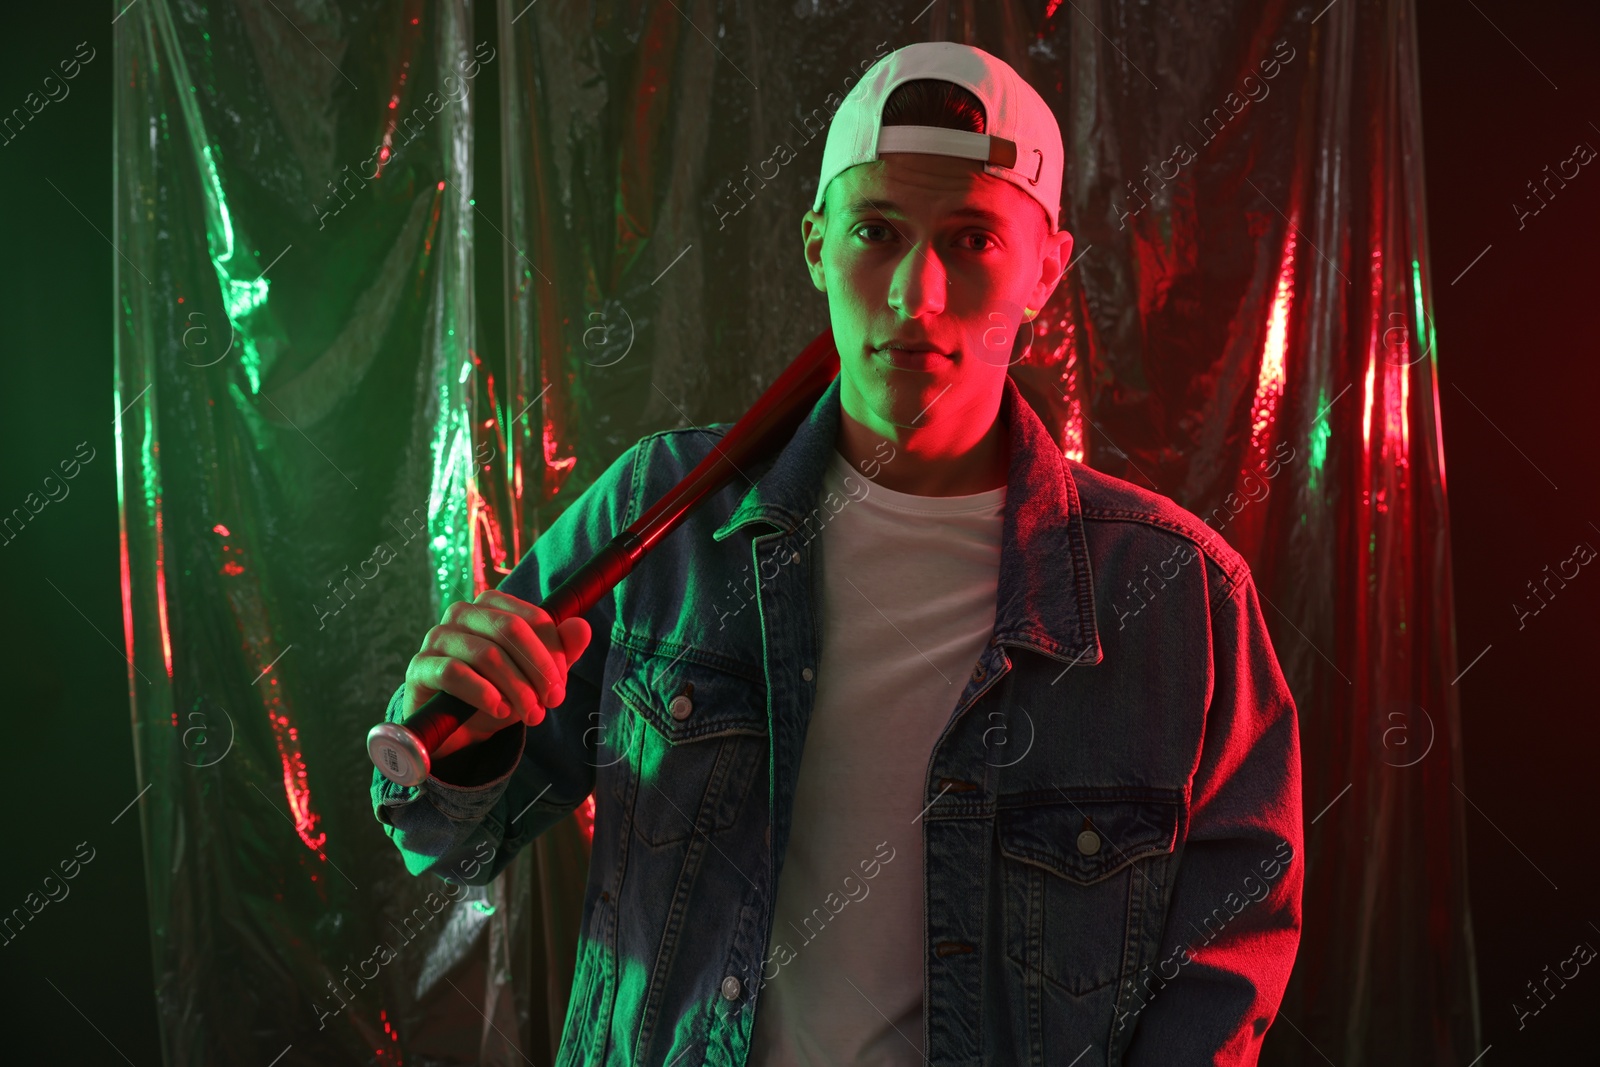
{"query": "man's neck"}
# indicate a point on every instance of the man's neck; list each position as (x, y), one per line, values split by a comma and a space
(941, 459)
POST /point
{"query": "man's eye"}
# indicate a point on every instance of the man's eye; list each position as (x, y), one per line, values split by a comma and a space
(871, 226)
(988, 241)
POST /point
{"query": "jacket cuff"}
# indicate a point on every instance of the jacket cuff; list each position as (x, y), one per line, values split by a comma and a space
(466, 784)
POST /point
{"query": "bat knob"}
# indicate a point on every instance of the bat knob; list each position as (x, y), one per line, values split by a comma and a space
(398, 754)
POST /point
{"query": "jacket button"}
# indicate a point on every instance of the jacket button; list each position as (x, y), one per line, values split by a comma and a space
(730, 987)
(1088, 842)
(680, 707)
(808, 674)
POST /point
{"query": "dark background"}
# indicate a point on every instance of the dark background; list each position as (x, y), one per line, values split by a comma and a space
(1506, 89)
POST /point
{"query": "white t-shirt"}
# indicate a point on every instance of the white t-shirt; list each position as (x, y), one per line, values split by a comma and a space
(908, 603)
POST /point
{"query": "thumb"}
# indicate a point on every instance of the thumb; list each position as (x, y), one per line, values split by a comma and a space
(575, 634)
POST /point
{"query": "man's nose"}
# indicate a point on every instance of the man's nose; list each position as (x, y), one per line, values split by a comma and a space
(919, 284)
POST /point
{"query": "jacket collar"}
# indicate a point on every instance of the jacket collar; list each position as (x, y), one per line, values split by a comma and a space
(1045, 599)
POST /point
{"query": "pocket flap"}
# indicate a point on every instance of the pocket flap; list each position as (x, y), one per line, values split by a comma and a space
(1087, 840)
(716, 701)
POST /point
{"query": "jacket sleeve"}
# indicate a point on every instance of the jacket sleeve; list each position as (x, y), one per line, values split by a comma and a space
(483, 803)
(1233, 923)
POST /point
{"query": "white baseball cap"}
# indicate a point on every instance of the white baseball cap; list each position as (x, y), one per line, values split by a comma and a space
(1022, 144)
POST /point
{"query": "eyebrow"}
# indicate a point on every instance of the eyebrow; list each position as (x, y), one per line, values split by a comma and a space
(865, 206)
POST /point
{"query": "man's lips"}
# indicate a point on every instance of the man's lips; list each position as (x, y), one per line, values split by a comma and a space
(913, 357)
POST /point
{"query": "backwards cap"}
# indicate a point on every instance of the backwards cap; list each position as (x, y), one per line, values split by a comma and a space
(1022, 144)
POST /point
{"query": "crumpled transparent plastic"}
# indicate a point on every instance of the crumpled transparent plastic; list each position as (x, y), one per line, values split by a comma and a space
(334, 420)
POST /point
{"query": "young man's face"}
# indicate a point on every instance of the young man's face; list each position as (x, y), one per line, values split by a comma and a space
(930, 252)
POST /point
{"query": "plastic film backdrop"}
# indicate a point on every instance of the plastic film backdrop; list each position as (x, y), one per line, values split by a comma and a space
(401, 278)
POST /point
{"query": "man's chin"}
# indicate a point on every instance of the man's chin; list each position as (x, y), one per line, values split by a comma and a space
(910, 403)
(894, 395)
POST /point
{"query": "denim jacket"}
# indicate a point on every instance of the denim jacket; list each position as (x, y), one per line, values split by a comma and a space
(1112, 841)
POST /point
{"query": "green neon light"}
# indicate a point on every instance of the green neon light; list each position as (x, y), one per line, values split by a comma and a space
(1319, 440)
(1424, 324)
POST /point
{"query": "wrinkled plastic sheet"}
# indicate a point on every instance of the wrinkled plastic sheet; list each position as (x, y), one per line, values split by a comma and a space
(325, 437)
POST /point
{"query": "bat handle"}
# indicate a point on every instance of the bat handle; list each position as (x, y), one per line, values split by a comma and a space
(400, 751)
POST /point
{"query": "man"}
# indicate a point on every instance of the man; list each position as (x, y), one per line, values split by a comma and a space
(887, 766)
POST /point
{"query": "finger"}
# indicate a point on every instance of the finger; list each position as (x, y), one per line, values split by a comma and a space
(534, 615)
(537, 648)
(449, 675)
(575, 635)
(534, 664)
(489, 659)
(546, 655)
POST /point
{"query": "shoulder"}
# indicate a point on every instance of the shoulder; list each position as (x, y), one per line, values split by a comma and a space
(663, 451)
(678, 450)
(1114, 508)
(658, 461)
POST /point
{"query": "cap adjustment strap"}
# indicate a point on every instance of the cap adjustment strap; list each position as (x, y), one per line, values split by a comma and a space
(938, 141)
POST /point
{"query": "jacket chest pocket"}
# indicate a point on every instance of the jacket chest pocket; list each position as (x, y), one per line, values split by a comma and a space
(700, 736)
(1080, 880)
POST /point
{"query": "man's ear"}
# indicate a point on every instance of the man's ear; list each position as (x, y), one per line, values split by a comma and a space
(1053, 260)
(811, 232)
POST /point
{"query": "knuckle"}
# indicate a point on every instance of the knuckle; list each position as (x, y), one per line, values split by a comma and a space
(518, 627)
